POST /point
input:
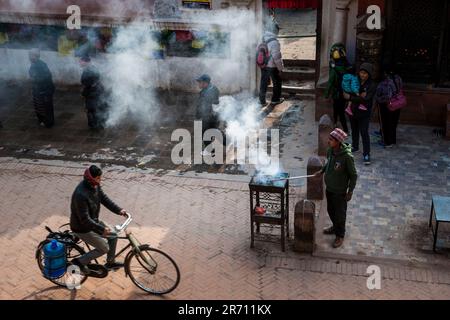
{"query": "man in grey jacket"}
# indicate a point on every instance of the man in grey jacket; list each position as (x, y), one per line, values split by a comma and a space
(273, 69)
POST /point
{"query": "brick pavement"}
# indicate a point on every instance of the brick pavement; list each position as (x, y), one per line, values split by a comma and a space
(202, 223)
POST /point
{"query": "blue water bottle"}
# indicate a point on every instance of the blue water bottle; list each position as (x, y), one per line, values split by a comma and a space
(54, 260)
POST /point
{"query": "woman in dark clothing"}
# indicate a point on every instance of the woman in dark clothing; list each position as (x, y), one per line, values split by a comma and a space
(361, 107)
(42, 88)
(390, 86)
(338, 67)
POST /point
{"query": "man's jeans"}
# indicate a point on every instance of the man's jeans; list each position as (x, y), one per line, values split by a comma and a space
(337, 210)
(266, 75)
(360, 125)
(102, 246)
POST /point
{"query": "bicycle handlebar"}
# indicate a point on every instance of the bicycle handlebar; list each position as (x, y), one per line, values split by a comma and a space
(118, 228)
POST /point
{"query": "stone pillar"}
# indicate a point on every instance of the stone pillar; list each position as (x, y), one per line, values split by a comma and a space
(304, 226)
(325, 128)
(340, 30)
(328, 25)
(314, 185)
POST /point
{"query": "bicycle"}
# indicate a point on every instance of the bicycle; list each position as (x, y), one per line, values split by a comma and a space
(141, 260)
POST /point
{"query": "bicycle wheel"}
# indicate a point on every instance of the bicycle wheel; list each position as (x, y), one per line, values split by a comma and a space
(72, 251)
(152, 270)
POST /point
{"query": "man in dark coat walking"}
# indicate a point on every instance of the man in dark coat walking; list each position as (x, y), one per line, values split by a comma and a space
(93, 93)
(42, 88)
(209, 95)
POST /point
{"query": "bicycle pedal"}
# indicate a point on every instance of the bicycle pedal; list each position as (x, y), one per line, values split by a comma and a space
(97, 271)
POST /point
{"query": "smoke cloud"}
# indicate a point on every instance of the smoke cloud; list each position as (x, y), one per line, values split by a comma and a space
(243, 123)
(129, 83)
(132, 76)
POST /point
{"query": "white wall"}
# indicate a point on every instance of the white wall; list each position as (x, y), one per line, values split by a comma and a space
(173, 73)
(232, 75)
(15, 65)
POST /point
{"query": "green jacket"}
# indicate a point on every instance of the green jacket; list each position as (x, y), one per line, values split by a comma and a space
(334, 85)
(340, 170)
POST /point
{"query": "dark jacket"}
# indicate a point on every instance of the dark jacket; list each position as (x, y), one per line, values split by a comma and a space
(336, 73)
(370, 88)
(41, 78)
(340, 171)
(85, 208)
(208, 97)
(92, 88)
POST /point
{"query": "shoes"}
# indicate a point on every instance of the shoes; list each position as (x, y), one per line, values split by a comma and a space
(366, 160)
(349, 111)
(377, 133)
(354, 150)
(389, 146)
(114, 265)
(329, 230)
(83, 268)
(381, 144)
(338, 242)
(362, 107)
(274, 103)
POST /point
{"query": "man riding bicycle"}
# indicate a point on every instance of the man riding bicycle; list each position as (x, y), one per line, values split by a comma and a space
(84, 221)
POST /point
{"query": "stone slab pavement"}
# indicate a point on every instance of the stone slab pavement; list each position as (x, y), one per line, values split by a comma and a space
(202, 223)
(389, 214)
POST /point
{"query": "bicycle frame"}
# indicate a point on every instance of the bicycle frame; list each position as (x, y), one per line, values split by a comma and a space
(134, 244)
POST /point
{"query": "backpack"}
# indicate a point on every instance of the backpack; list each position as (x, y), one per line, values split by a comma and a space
(385, 91)
(388, 89)
(262, 53)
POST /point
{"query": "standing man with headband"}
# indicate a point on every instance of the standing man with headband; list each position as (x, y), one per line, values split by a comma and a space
(84, 220)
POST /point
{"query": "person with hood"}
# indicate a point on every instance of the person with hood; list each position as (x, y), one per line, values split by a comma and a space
(339, 66)
(94, 94)
(340, 181)
(273, 68)
(42, 89)
(361, 110)
(85, 223)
